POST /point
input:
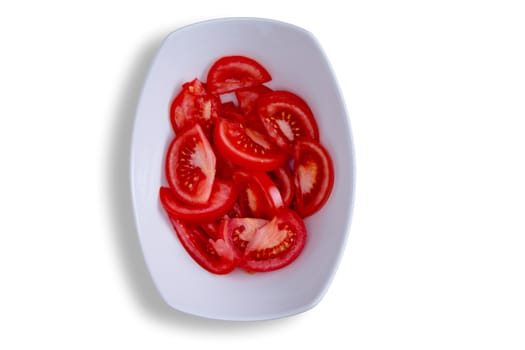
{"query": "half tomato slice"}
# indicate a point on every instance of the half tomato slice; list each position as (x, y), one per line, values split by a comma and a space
(286, 118)
(275, 244)
(222, 199)
(230, 73)
(313, 176)
(216, 256)
(190, 166)
(246, 147)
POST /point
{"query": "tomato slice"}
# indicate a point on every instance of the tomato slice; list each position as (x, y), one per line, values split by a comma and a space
(258, 196)
(313, 176)
(283, 178)
(238, 232)
(248, 98)
(231, 112)
(246, 147)
(211, 229)
(275, 244)
(216, 256)
(286, 118)
(230, 73)
(190, 166)
(194, 104)
(222, 198)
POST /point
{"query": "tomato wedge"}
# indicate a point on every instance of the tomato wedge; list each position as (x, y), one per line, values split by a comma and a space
(231, 112)
(221, 201)
(216, 256)
(190, 166)
(258, 196)
(193, 104)
(238, 232)
(230, 73)
(246, 147)
(275, 244)
(313, 176)
(283, 178)
(286, 118)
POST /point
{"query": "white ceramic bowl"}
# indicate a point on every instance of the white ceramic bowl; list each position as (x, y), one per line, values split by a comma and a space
(297, 63)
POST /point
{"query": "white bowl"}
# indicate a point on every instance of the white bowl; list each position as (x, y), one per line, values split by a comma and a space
(297, 63)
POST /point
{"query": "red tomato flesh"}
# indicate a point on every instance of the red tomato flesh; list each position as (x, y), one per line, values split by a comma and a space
(258, 196)
(248, 98)
(230, 73)
(246, 147)
(275, 244)
(238, 232)
(216, 256)
(193, 104)
(283, 178)
(313, 176)
(286, 118)
(190, 166)
(222, 198)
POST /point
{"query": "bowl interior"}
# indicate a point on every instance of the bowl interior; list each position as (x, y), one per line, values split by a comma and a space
(297, 63)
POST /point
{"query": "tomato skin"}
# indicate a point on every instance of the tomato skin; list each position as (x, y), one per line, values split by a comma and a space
(276, 244)
(222, 199)
(191, 184)
(259, 197)
(286, 117)
(230, 73)
(192, 105)
(236, 143)
(231, 112)
(216, 256)
(283, 178)
(313, 176)
(248, 98)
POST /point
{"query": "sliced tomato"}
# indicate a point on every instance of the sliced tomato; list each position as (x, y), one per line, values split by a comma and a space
(286, 118)
(224, 168)
(275, 244)
(193, 104)
(231, 112)
(230, 73)
(246, 147)
(190, 166)
(211, 229)
(283, 178)
(222, 198)
(216, 256)
(258, 196)
(313, 176)
(248, 97)
(238, 232)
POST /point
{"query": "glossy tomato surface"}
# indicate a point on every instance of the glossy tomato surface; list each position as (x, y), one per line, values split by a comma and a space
(246, 147)
(190, 166)
(286, 118)
(230, 73)
(248, 98)
(194, 105)
(313, 176)
(216, 256)
(283, 178)
(238, 232)
(275, 244)
(222, 198)
(258, 195)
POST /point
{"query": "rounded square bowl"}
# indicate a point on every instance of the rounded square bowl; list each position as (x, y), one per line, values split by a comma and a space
(297, 63)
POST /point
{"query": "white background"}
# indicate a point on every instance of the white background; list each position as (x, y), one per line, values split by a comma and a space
(436, 254)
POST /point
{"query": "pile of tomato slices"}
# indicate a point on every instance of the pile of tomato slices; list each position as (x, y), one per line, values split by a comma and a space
(242, 176)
